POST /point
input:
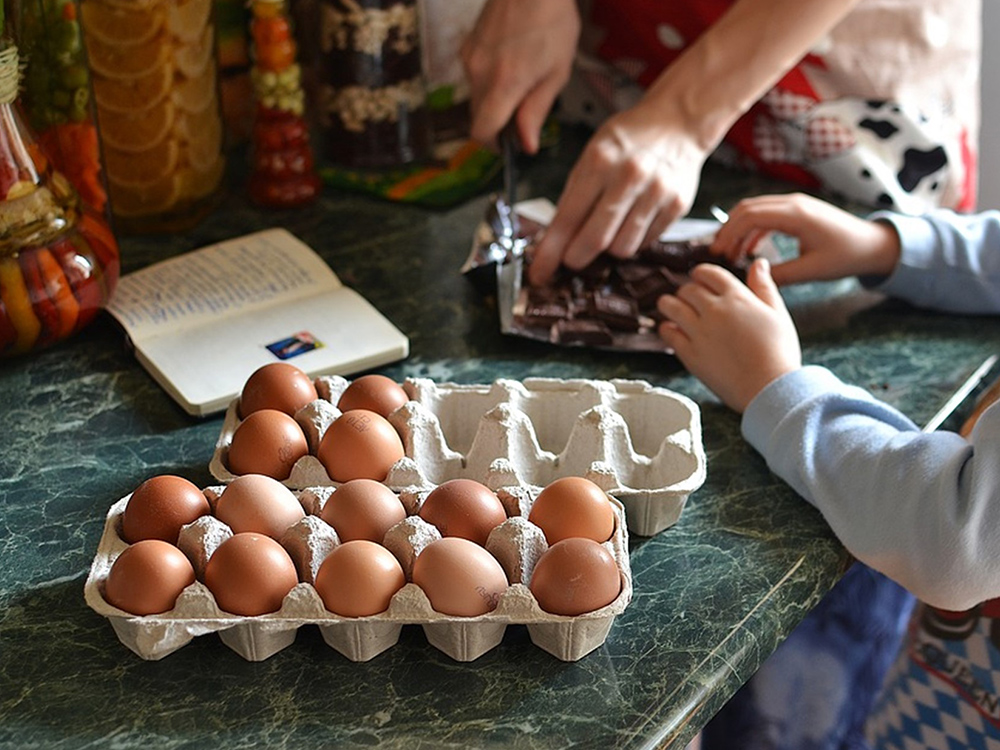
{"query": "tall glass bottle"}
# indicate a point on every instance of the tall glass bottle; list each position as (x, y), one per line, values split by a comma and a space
(55, 92)
(283, 172)
(59, 260)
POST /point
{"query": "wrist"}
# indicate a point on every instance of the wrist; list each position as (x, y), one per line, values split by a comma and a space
(886, 248)
(680, 98)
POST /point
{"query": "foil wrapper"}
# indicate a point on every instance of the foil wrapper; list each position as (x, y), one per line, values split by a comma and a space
(610, 304)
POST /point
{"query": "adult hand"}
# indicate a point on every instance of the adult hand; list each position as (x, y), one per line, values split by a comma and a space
(736, 338)
(517, 59)
(833, 244)
(638, 173)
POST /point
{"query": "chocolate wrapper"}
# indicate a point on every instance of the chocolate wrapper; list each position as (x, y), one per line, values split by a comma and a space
(610, 304)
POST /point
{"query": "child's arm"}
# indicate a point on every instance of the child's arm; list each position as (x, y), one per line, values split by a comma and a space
(833, 244)
(919, 507)
(943, 260)
(949, 261)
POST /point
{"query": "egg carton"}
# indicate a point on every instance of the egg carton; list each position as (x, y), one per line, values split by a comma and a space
(645, 440)
(517, 544)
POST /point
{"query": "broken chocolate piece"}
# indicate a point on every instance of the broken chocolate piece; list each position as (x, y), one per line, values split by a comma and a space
(681, 257)
(544, 313)
(633, 272)
(649, 289)
(616, 310)
(586, 332)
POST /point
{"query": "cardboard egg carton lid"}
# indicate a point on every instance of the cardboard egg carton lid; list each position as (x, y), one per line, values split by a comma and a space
(516, 543)
(647, 440)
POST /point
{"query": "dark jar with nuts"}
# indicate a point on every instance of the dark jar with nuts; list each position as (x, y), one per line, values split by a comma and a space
(370, 93)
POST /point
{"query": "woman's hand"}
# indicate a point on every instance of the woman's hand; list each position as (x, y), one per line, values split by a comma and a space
(735, 338)
(517, 58)
(638, 173)
(833, 244)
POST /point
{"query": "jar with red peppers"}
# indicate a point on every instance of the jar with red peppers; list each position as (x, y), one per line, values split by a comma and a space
(59, 261)
(56, 92)
(283, 172)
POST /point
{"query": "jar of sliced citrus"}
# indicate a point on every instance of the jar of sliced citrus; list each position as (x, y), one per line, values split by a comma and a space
(59, 260)
(153, 70)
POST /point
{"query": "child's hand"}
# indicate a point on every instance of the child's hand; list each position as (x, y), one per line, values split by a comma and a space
(735, 338)
(833, 244)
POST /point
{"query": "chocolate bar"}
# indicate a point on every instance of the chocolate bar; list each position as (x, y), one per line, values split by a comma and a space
(612, 302)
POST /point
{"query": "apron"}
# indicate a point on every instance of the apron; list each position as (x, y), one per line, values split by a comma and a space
(883, 112)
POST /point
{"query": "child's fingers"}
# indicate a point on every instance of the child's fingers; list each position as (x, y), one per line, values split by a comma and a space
(677, 310)
(760, 283)
(808, 267)
(713, 278)
(674, 337)
(757, 215)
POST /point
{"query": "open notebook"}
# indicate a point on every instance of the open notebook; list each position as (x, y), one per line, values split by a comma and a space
(202, 322)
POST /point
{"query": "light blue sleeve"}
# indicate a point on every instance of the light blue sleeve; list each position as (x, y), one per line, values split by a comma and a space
(922, 508)
(948, 261)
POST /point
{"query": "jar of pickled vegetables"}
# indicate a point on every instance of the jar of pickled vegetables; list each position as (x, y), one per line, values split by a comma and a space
(59, 261)
(56, 94)
(283, 172)
(154, 77)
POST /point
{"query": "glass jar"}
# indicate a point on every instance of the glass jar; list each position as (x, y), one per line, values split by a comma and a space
(59, 261)
(153, 72)
(283, 173)
(371, 97)
(56, 94)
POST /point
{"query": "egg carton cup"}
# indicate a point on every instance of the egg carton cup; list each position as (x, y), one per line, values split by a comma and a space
(516, 543)
(647, 440)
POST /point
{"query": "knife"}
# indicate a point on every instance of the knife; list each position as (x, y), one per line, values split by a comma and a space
(500, 213)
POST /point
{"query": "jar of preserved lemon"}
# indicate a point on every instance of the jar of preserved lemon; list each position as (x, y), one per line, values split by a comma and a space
(153, 72)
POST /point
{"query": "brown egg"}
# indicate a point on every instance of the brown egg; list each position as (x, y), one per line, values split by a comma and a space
(363, 509)
(278, 385)
(573, 506)
(375, 393)
(358, 579)
(258, 503)
(459, 577)
(575, 576)
(359, 444)
(160, 506)
(147, 577)
(250, 574)
(267, 442)
(464, 508)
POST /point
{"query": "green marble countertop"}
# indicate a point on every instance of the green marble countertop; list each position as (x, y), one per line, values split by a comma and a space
(83, 424)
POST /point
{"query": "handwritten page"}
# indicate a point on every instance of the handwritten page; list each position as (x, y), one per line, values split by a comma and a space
(230, 277)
